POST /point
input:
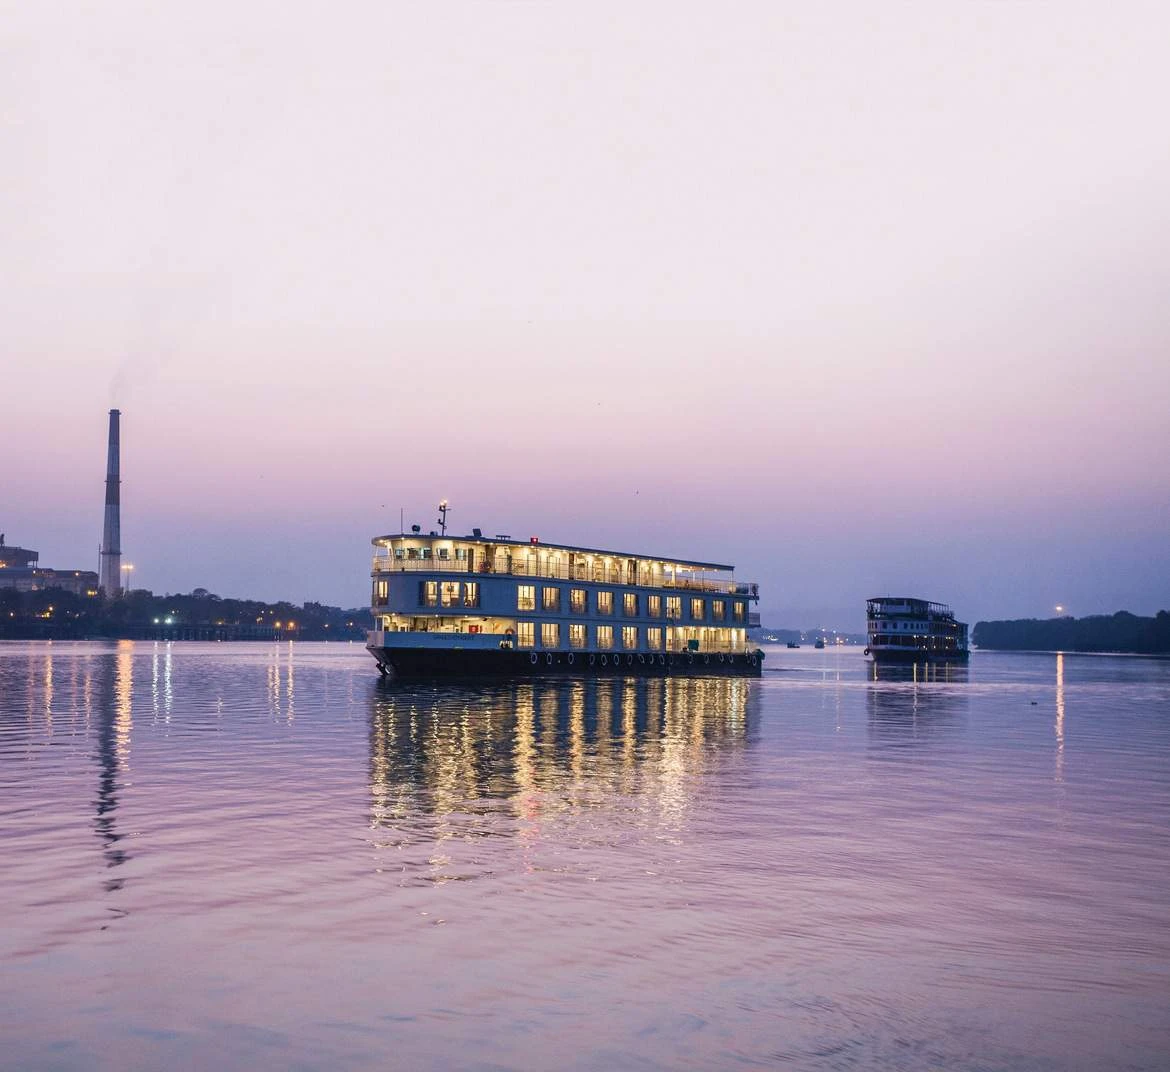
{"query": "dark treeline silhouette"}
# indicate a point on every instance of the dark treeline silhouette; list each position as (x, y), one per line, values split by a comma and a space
(53, 613)
(1122, 632)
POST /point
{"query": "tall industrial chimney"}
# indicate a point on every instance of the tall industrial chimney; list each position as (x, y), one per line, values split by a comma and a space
(110, 577)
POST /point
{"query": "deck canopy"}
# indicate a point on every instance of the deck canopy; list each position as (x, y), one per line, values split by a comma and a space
(537, 545)
(906, 605)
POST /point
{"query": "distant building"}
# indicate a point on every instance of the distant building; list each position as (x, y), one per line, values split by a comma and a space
(16, 557)
(19, 569)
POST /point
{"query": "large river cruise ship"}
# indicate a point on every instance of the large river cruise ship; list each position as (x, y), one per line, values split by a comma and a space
(448, 606)
(906, 630)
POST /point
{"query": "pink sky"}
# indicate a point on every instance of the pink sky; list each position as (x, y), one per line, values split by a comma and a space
(862, 299)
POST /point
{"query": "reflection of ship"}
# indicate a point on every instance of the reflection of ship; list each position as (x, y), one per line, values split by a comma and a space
(525, 745)
(920, 673)
(913, 701)
(452, 606)
(906, 630)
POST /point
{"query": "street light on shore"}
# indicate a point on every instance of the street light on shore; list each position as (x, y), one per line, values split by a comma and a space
(1059, 608)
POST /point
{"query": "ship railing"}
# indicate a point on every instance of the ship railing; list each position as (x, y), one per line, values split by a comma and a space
(588, 574)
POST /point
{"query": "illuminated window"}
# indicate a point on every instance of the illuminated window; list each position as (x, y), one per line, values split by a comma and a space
(605, 636)
(698, 610)
(577, 598)
(630, 604)
(550, 635)
(654, 638)
(525, 634)
(576, 636)
(738, 610)
(629, 636)
(718, 609)
(526, 597)
(654, 606)
(471, 594)
(428, 593)
(674, 606)
(449, 593)
(604, 602)
(381, 593)
(550, 598)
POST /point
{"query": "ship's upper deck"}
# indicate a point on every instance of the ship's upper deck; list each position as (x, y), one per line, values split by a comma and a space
(534, 558)
(905, 606)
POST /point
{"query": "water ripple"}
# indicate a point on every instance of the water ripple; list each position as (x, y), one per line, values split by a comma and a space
(264, 855)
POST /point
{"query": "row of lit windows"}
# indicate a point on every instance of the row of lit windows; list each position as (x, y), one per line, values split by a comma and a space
(918, 627)
(608, 637)
(448, 593)
(550, 600)
(466, 594)
(603, 636)
(903, 641)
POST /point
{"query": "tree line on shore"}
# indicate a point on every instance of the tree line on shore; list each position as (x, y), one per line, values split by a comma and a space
(56, 614)
(1120, 632)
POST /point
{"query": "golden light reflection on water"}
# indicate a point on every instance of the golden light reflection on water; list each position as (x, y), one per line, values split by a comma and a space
(162, 693)
(48, 695)
(449, 764)
(124, 693)
(281, 682)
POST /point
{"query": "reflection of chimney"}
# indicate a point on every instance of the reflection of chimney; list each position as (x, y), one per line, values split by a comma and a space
(111, 553)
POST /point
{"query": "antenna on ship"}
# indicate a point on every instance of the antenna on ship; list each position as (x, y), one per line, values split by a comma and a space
(443, 517)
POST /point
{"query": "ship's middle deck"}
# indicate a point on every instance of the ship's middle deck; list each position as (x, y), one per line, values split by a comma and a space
(501, 556)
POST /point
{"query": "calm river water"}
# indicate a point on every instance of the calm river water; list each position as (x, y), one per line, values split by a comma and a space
(262, 856)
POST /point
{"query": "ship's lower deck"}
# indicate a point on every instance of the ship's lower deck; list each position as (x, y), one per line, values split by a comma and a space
(452, 663)
(916, 655)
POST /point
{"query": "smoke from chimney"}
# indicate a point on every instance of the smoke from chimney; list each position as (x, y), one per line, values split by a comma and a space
(110, 576)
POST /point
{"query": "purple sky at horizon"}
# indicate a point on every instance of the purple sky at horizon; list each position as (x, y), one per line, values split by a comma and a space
(863, 300)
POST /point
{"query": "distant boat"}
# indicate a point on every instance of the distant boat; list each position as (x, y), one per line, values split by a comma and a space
(820, 643)
(793, 644)
(905, 630)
